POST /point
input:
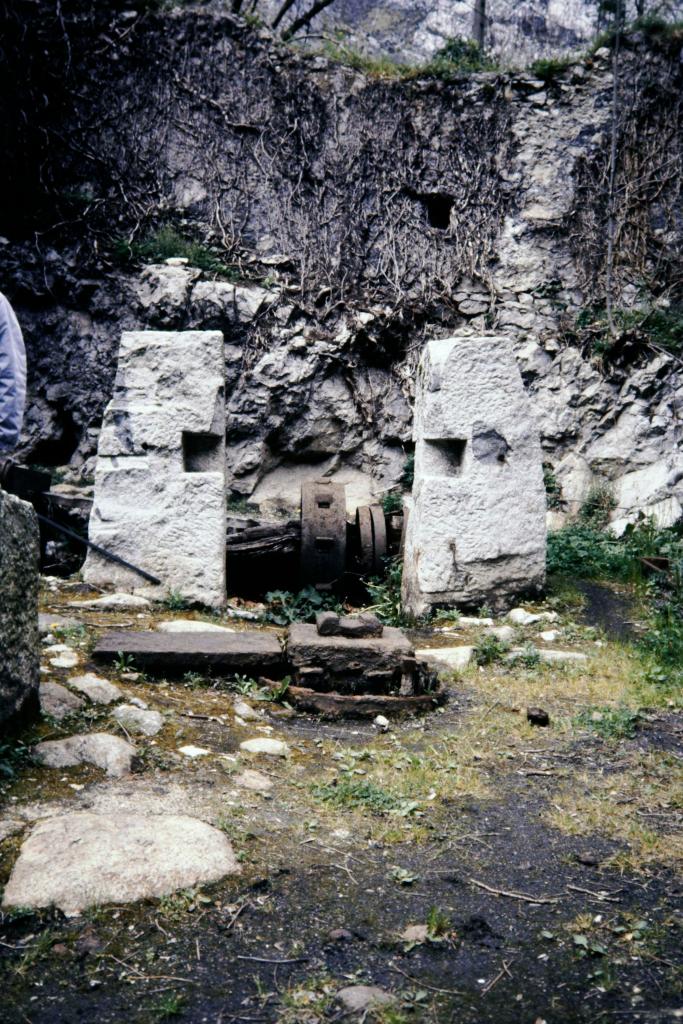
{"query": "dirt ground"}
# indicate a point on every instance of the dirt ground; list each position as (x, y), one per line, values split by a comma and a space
(542, 865)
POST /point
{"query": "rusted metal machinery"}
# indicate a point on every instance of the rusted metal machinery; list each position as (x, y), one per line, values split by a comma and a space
(321, 549)
(323, 533)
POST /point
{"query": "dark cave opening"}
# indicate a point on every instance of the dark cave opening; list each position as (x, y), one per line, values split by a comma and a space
(438, 206)
(58, 449)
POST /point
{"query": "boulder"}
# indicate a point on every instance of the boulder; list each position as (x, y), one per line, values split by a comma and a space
(96, 689)
(138, 720)
(102, 749)
(265, 745)
(80, 860)
(19, 640)
(361, 998)
(58, 702)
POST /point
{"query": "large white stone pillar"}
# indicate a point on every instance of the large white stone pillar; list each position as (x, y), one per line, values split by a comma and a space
(476, 525)
(160, 476)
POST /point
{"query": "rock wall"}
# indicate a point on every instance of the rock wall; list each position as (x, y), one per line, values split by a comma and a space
(359, 217)
(19, 640)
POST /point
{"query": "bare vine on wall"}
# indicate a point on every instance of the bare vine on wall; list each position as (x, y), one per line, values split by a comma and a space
(625, 223)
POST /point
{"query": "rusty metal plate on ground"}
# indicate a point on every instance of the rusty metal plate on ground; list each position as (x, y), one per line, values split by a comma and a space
(323, 532)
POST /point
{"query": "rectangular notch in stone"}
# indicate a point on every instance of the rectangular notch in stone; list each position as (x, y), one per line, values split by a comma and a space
(444, 456)
(202, 453)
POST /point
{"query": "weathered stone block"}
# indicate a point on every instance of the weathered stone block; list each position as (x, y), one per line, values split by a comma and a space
(476, 527)
(19, 639)
(346, 664)
(362, 625)
(229, 653)
(160, 477)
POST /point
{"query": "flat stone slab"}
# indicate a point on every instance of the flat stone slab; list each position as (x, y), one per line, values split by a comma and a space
(249, 651)
(448, 659)
(340, 654)
(96, 689)
(57, 701)
(61, 656)
(138, 720)
(190, 626)
(102, 749)
(113, 602)
(48, 622)
(75, 861)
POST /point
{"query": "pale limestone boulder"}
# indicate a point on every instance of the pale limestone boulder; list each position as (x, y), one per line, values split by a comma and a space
(102, 749)
(19, 640)
(138, 720)
(163, 291)
(95, 688)
(476, 528)
(160, 477)
(80, 860)
(265, 745)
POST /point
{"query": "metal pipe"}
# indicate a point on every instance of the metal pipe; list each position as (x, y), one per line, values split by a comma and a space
(100, 550)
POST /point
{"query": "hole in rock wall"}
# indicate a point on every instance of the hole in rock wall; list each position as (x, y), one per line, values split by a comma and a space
(444, 456)
(438, 206)
(488, 445)
(58, 449)
(202, 453)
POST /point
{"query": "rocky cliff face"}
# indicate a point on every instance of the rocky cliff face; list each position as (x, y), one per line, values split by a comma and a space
(359, 218)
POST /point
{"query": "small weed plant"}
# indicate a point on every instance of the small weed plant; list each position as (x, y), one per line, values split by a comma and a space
(361, 793)
(611, 723)
(385, 595)
(285, 607)
(175, 601)
(490, 650)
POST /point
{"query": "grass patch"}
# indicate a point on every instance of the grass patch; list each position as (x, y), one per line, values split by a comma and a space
(550, 68)
(166, 243)
(612, 723)
(361, 793)
(631, 806)
(658, 327)
(457, 57)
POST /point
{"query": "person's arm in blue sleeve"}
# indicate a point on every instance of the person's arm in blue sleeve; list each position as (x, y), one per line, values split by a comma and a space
(12, 377)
